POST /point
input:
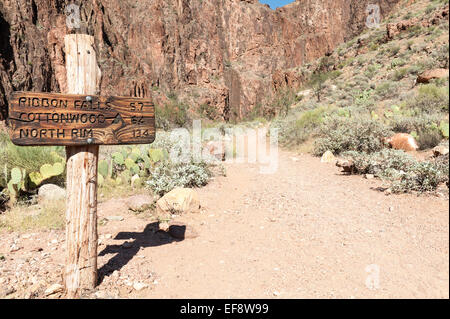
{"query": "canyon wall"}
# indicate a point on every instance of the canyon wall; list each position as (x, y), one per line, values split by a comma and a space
(223, 53)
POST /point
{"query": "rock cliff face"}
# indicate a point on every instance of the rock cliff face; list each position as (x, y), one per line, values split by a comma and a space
(228, 54)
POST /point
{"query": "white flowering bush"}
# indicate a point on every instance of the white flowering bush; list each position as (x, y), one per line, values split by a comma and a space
(167, 176)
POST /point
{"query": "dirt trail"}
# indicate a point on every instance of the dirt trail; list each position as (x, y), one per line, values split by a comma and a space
(304, 232)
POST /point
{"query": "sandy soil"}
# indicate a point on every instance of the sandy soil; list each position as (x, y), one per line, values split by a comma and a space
(305, 232)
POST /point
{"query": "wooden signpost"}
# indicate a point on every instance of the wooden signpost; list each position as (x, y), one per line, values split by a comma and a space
(81, 121)
(70, 119)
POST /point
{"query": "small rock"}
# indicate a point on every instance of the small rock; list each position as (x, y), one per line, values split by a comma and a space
(328, 157)
(182, 231)
(276, 293)
(440, 151)
(139, 286)
(369, 176)
(50, 192)
(178, 201)
(115, 218)
(347, 166)
(391, 209)
(140, 203)
(14, 248)
(53, 289)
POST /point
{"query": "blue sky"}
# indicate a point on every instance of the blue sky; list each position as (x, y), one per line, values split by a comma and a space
(276, 3)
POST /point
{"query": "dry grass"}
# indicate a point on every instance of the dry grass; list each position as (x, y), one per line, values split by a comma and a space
(23, 218)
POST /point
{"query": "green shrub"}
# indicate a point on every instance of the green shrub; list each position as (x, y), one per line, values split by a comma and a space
(399, 74)
(296, 129)
(208, 111)
(397, 62)
(372, 70)
(353, 134)
(168, 176)
(278, 106)
(383, 164)
(386, 90)
(172, 114)
(404, 172)
(422, 177)
(431, 99)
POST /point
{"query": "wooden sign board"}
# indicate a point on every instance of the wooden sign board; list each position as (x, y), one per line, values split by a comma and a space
(69, 119)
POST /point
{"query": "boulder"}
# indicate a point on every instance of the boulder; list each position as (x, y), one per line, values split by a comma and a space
(178, 201)
(50, 192)
(328, 157)
(428, 75)
(140, 203)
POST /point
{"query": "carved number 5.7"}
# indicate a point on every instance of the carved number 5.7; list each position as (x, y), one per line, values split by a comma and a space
(139, 106)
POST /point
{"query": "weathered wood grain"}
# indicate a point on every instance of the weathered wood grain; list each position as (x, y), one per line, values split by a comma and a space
(80, 272)
(80, 119)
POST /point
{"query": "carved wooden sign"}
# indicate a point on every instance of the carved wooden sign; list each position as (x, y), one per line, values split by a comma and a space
(69, 119)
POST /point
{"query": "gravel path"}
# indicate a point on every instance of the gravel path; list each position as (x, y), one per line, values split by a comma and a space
(304, 232)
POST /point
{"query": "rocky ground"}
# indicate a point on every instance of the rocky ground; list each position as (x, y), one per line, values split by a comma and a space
(304, 232)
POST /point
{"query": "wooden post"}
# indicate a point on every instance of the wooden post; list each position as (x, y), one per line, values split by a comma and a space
(83, 77)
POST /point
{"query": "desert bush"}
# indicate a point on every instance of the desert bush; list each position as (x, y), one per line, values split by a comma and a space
(399, 74)
(397, 62)
(167, 176)
(431, 99)
(208, 111)
(404, 172)
(278, 106)
(382, 164)
(386, 90)
(297, 128)
(351, 134)
(372, 70)
(172, 114)
(422, 177)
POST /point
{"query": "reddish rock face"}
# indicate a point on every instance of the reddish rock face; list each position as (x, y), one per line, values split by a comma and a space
(220, 53)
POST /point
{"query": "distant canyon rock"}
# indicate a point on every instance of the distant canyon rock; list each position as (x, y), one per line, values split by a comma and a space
(227, 54)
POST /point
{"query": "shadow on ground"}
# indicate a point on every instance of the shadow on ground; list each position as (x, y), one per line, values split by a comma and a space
(152, 236)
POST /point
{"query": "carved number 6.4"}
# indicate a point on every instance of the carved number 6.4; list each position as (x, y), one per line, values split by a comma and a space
(73, 19)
